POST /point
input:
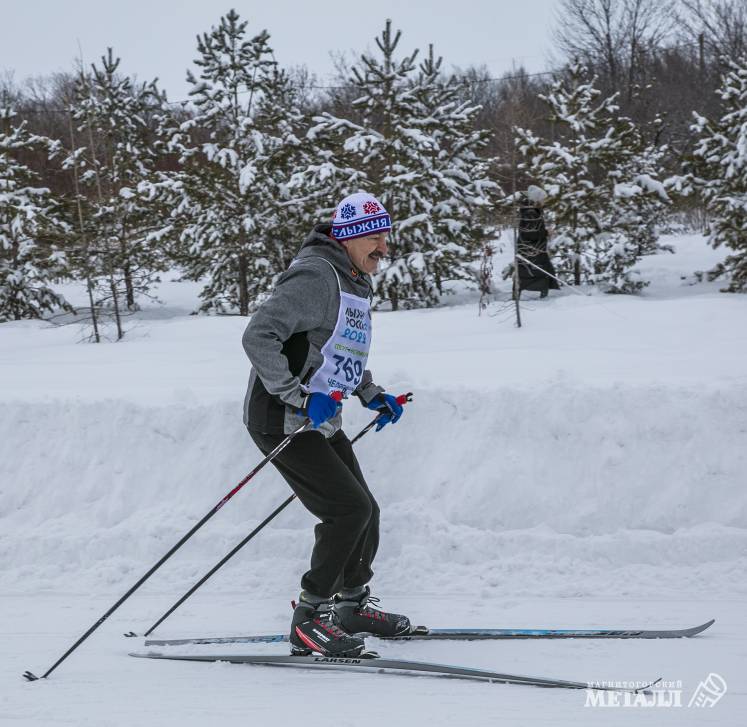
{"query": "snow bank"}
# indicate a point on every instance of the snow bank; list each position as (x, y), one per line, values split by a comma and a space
(560, 491)
(598, 450)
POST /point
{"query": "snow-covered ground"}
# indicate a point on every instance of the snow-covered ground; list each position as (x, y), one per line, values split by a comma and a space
(586, 470)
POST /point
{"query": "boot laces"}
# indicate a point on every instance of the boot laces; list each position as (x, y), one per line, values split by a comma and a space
(327, 619)
(370, 608)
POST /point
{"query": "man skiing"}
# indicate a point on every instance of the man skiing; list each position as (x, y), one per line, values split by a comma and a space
(307, 341)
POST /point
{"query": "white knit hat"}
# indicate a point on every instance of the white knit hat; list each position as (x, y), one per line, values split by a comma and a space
(359, 215)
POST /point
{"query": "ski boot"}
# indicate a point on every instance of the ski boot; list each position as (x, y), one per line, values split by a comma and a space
(315, 628)
(360, 615)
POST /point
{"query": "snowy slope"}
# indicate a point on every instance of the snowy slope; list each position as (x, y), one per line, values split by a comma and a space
(584, 469)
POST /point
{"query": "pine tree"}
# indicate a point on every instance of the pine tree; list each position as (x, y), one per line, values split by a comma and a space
(461, 194)
(117, 154)
(601, 185)
(115, 114)
(32, 228)
(720, 165)
(642, 199)
(326, 171)
(237, 154)
(384, 149)
(279, 125)
(415, 148)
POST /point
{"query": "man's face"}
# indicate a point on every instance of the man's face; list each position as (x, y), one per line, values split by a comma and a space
(365, 252)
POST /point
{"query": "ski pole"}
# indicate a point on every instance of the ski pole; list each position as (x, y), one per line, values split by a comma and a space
(218, 565)
(401, 399)
(30, 676)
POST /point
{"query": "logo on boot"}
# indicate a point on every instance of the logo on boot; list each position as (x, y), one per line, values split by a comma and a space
(322, 636)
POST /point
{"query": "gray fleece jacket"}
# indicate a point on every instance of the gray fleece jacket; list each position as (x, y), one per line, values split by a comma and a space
(285, 335)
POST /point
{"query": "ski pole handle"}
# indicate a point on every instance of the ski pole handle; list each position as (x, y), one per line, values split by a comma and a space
(402, 399)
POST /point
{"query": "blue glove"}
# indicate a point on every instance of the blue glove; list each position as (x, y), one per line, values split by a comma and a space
(388, 408)
(319, 407)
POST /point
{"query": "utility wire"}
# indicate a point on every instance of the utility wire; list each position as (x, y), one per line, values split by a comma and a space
(319, 87)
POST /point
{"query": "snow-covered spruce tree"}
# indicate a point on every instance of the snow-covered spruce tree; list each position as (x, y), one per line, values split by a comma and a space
(597, 174)
(642, 199)
(283, 217)
(117, 152)
(326, 173)
(720, 175)
(32, 228)
(414, 151)
(384, 149)
(459, 191)
(237, 153)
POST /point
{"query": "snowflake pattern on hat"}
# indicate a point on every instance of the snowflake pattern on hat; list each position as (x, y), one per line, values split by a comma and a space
(359, 215)
(347, 211)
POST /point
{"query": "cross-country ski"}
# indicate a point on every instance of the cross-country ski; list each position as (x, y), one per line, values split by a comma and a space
(424, 634)
(375, 663)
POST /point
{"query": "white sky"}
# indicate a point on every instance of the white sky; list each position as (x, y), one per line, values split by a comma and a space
(157, 37)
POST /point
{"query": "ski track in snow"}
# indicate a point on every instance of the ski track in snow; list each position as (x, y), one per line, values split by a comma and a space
(585, 471)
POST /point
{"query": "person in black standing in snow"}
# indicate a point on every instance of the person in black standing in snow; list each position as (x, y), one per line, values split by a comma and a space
(538, 274)
(310, 338)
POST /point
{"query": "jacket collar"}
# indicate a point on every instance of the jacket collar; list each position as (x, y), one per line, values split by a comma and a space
(319, 243)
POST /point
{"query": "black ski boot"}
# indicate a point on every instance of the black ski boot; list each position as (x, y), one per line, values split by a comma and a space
(357, 615)
(315, 628)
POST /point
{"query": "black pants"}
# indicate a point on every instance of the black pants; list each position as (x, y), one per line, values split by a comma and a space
(327, 479)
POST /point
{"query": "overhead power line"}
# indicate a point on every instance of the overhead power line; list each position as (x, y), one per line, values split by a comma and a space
(338, 87)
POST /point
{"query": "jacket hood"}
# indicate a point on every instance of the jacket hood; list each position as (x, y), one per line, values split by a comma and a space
(318, 243)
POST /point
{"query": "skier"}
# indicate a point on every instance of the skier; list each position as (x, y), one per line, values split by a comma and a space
(308, 340)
